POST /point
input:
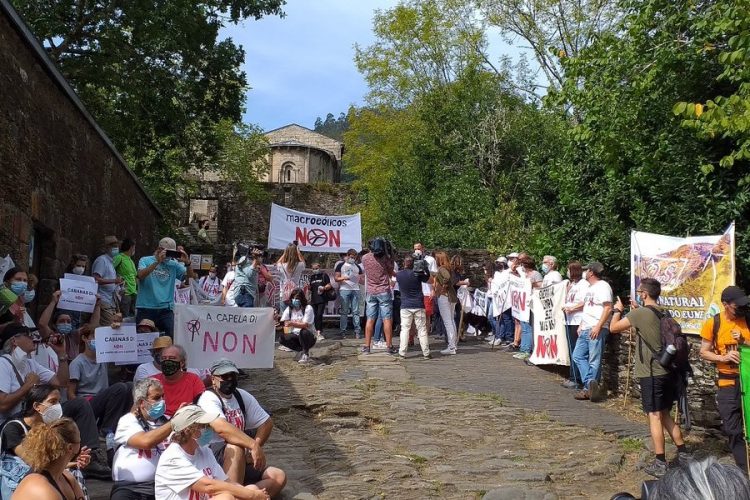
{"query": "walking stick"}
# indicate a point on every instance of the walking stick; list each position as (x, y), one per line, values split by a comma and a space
(627, 375)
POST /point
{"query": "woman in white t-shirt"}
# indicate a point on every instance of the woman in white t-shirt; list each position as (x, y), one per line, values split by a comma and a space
(227, 290)
(290, 266)
(299, 330)
(141, 439)
(574, 296)
(187, 470)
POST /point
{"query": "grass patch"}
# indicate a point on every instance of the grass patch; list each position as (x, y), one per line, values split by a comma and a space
(489, 396)
(631, 445)
(416, 459)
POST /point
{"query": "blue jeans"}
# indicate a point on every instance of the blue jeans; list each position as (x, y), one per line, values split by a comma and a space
(588, 355)
(527, 337)
(162, 318)
(349, 302)
(244, 299)
(379, 335)
(380, 305)
(508, 328)
(571, 331)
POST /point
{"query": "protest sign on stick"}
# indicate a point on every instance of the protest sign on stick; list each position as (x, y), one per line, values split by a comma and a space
(116, 345)
(77, 295)
(243, 335)
(550, 342)
(520, 297)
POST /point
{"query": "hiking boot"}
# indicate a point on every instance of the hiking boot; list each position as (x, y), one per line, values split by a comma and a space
(582, 395)
(657, 468)
(98, 468)
(569, 384)
(596, 391)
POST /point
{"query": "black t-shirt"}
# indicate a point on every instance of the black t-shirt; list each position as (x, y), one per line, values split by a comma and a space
(411, 289)
(13, 434)
(317, 280)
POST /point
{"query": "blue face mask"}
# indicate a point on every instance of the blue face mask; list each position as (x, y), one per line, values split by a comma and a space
(29, 295)
(65, 328)
(114, 252)
(545, 268)
(207, 435)
(92, 345)
(296, 303)
(18, 287)
(157, 409)
(638, 300)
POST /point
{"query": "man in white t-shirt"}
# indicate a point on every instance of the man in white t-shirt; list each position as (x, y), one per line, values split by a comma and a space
(427, 287)
(187, 470)
(240, 409)
(593, 331)
(347, 274)
(549, 269)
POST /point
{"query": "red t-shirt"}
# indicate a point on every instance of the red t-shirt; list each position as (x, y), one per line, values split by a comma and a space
(378, 273)
(185, 390)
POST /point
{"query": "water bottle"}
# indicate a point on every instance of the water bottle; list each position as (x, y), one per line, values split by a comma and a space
(667, 356)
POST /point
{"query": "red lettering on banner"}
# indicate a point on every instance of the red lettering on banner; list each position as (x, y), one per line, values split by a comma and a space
(318, 237)
(518, 299)
(246, 345)
(213, 341)
(228, 342)
(334, 238)
(546, 347)
(233, 341)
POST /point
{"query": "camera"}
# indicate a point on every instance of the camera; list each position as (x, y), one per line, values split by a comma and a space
(421, 267)
(381, 247)
(250, 249)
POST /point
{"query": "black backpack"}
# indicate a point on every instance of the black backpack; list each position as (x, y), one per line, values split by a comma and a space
(671, 334)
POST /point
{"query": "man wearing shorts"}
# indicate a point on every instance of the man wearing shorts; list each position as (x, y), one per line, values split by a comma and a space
(378, 271)
(659, 388)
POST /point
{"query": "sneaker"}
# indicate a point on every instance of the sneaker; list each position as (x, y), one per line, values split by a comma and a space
(596, 391)
(490, 339)
(304, 359)
(365, 349)
(448, 352)
(343, 334)
(284, 348)
(392, 350)
(512, 348)
(401, 356)
(380, 344)
(320, 337)
(427, 356)
(98, 468)
(522, 355)
(582, 395)
(657, 468)
(569, 384)
(497, 342)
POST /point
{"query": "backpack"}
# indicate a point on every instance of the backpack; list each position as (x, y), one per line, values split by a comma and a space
(12, 468)
(671, 334)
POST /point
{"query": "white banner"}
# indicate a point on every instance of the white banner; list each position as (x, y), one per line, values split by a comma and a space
(550, 341)
(501, 301)
(244, 335)
(314, 233)
(117, 345)
(520, 297)
(77, 295)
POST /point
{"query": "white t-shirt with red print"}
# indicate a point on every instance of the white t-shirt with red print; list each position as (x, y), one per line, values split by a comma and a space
(178, 471)
(254, 416)
(132, 464)
(593, 304)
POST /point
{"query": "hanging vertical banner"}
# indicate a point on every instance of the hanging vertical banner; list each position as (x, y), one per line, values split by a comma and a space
(314, 233)
(520, 297)
(692, 271)
(550, 342)
(244, 335)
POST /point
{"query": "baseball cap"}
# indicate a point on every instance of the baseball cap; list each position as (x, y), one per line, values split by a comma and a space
(513, 255)
(734, 295)
(148, 323)
(111, 240)
(597, 267)
(167, 243)
(222, 366)
(162, 342)
(14, 329)
(189, 415)
(502, 259)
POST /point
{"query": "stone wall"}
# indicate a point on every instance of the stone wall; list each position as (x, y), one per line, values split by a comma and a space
(302, 135)
(65, 187)
(303, 165)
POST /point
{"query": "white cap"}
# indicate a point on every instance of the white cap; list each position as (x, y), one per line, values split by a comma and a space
(513, 255)
(502, 259)
(189, 415)
(167, 244)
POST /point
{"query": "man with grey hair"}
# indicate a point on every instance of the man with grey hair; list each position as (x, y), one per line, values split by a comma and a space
(549, 269)
(180, 385)
(157, 274)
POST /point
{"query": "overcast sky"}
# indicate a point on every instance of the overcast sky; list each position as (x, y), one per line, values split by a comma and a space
(302, 66)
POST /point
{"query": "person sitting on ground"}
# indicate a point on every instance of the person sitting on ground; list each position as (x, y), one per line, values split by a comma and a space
(238, 408)
(412, 307)
(48, 449)
(141, 439)
(659, 387)
(188, 469)
(41, 405)
(299, 319)
(17, 281)
(180, 385)
(152, 368)
(156, 275)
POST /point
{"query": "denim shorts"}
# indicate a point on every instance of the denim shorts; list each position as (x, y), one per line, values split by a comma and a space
(380, 304)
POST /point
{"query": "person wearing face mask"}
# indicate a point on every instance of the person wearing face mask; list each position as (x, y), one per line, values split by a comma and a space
(180, 386)
(227, 286)
(141, 439)
(64, 330)
(30, 294)
(549, 269)
(298, 319)
(17, 281)
(320, 286)
(77, 265)
(125, 268)
(106, 277)
(89, 380)
(247, 270)
(19, 374)
(188, 470)
(48, 449)
(152, 368)
(347, 274)
(211, 283)
(242, 425)
(573, 309)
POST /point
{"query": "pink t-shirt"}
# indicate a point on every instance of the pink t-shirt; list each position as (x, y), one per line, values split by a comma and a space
(377, 272)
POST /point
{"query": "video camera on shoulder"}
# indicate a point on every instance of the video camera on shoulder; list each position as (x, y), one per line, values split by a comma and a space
(250, 249)
(381, 247)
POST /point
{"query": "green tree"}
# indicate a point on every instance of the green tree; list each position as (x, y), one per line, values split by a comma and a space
(154, 74)
(332, 127)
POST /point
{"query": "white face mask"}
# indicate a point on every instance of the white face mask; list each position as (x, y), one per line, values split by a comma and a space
(585, 275)
(52, 413)
(19, 357)
(78, 270)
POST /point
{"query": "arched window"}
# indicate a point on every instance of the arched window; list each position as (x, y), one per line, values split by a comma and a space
(287, 173)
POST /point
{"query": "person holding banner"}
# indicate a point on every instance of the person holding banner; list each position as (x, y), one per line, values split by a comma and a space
(63, 331)
(593, 331)
(157, 274)
(299, 320)
(574, 298)
(721, 335)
